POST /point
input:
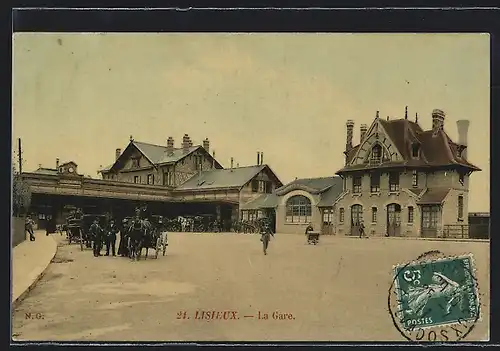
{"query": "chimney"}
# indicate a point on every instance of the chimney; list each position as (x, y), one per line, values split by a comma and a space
(232, 160)
(261, 158)
(190, 142)
(463, 129)
(118, 152)
(350, 129)
(258, 158)
(437, 120)
(57, 163)
(206, 145)
(170, 146)
(363, 129)
(185, 142)
(237, 165)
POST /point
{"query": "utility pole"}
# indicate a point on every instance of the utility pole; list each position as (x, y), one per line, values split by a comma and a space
(20, 156)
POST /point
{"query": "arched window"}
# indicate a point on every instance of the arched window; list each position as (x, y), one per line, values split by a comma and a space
(298, 209)
(376, 155)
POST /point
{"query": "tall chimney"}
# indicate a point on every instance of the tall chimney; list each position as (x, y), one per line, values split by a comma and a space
(363, 129)
(463, 130)
(232, 160)
(261, 158)
(258, 158)
(350, 128)
(57, 163)
(170, 146)
(185, 142)
(437, 120)
(118, 152)
(206, 145)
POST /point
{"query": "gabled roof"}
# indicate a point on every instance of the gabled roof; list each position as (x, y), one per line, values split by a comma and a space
(311, 185)
(159, 155)
(225, 178)
(434, 196)
(436, 149)
(68, 163)
(263, 201)
(331, 195)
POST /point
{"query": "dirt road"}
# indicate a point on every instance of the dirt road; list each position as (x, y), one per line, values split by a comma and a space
(335, 291)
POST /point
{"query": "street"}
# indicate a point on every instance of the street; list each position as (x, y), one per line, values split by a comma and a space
(220, 287)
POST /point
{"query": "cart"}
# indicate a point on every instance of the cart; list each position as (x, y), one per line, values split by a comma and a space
(312, 237)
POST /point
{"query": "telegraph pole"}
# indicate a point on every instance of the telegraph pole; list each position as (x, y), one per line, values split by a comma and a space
(20, 156)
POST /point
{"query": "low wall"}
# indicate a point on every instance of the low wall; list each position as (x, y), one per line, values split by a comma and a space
(18, 231)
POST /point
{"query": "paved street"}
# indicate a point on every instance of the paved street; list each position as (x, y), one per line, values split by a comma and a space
(335, 291)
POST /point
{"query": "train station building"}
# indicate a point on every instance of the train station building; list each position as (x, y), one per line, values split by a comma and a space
(172, 181)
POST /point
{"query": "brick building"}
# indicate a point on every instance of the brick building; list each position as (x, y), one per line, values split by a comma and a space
(401, 180)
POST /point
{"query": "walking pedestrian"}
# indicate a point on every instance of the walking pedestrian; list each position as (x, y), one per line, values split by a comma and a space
(362, 230)
(29, 228)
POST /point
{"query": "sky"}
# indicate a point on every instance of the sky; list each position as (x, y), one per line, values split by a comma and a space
(79, 96)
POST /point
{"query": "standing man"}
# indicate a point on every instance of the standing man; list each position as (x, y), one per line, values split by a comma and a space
(111, 232)
(96, 232)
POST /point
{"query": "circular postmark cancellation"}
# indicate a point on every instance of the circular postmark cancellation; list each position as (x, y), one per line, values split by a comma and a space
(435, 298)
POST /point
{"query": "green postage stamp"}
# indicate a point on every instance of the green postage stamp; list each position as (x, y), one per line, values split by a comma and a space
(432, 293)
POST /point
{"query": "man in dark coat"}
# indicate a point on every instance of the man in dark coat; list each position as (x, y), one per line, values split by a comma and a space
(122, 247)
(111, 233)
(97, 235)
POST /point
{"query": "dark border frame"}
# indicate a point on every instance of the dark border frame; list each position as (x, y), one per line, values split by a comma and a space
(418, 20)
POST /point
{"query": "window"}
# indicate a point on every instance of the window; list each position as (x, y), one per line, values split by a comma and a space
(414, 150)
(393, 181)
(244, 215)
(356, 184)
(461, 177)
(136, 180)
(262, 186)
(375, 182)
(255, 186)
(135, 162)
(410, 214)
(151, 179)
(430, 217)
(168, 178)
(460, 207)
(252, 215)
(376, 154)
(298, 209)
(269, 187)
(374, 215)
(327, 216)
(341, 215)
(414, 178)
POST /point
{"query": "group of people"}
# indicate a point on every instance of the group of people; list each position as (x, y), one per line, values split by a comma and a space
(107, 236)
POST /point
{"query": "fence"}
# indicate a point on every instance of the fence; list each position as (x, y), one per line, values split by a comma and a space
(466, 231)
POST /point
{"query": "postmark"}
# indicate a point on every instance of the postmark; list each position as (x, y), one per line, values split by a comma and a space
(435, 298)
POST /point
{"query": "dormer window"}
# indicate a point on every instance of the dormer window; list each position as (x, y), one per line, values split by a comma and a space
(415, 149)
(376, 155)
(135, 162)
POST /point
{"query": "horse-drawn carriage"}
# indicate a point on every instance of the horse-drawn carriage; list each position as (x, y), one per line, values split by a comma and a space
(140, 233)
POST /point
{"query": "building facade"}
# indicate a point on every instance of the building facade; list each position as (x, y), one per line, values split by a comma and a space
(297, 204)
(400, 180)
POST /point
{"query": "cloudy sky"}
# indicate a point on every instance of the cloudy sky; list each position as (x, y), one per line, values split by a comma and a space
(80, 96)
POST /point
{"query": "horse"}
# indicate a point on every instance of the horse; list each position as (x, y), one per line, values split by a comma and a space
(150, 238)
(135, 233)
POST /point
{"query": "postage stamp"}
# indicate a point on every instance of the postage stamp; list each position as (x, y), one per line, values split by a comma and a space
(435, 298)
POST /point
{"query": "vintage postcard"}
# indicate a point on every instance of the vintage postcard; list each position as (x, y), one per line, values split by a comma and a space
(250, 187)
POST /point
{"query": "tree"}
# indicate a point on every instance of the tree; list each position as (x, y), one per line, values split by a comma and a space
(21, 194)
